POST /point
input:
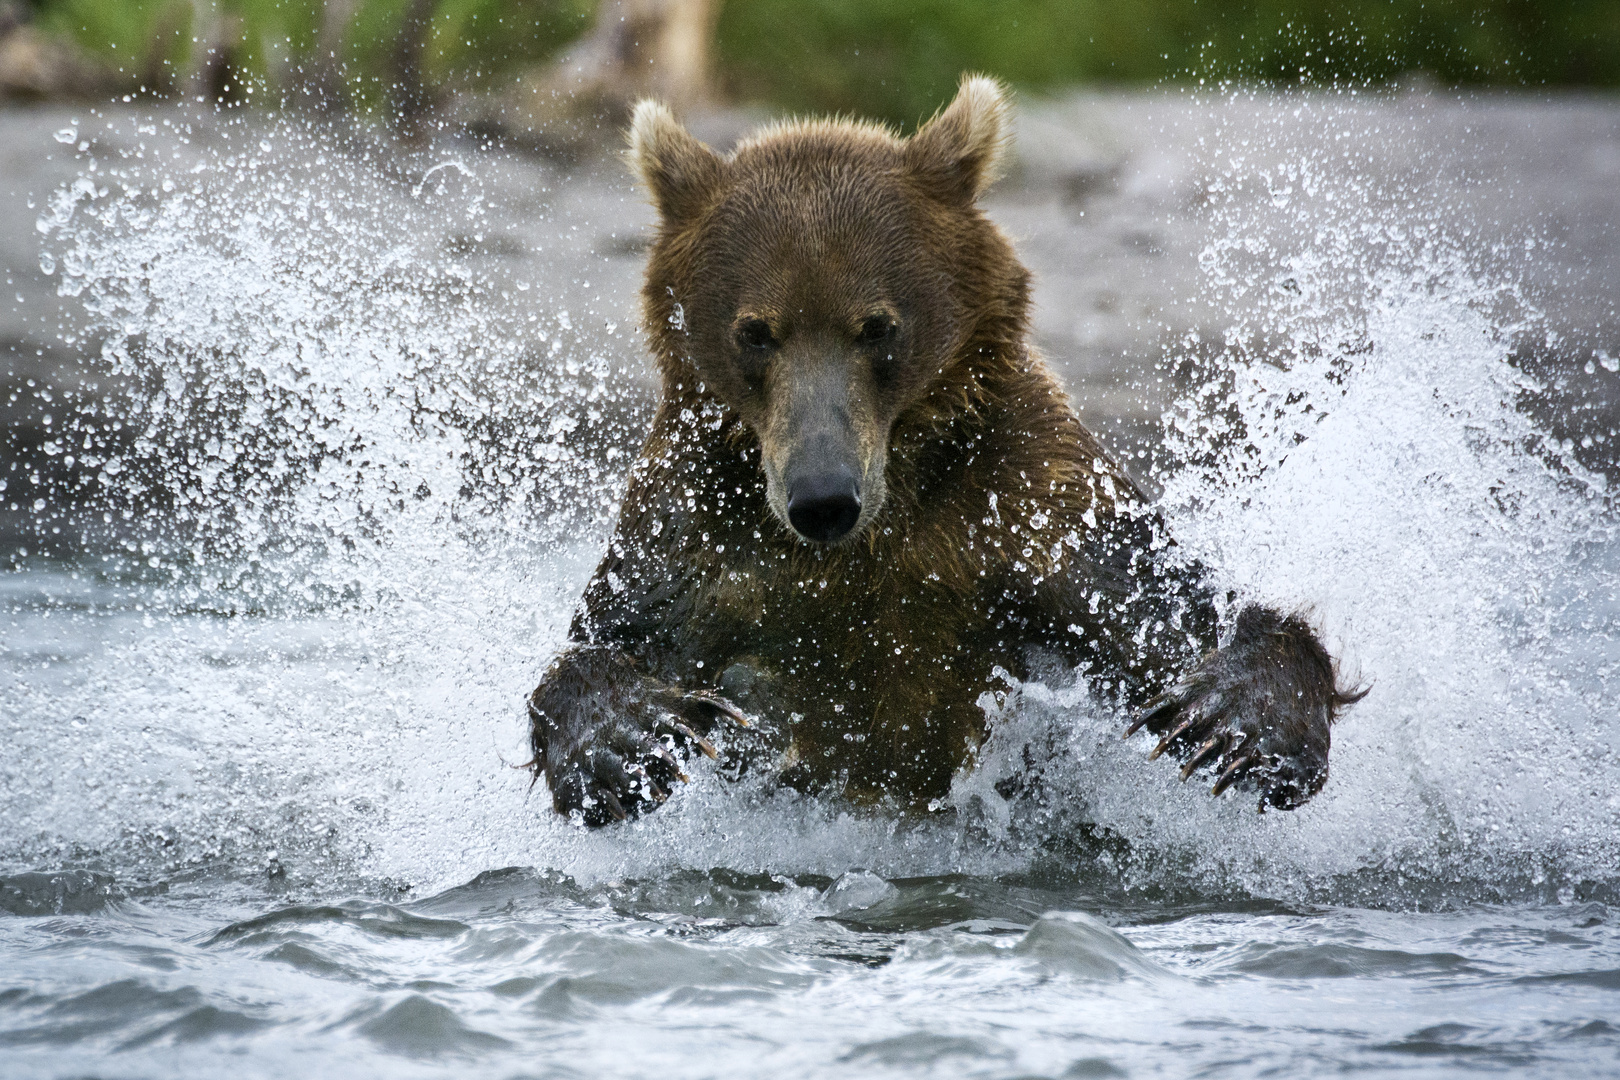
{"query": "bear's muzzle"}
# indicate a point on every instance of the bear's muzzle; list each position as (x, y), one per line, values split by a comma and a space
(824, 506)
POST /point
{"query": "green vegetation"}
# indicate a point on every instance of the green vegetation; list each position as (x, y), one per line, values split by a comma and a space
(472, 41)
(901, 58)
(147, 37)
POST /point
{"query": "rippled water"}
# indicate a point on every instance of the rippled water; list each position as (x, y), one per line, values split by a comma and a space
(721, 973)
(259, 809)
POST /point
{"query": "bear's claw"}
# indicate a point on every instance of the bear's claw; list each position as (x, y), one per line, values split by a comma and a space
(1256, 711)
(610, 739)
(1202, 754)
(634, 772)
(718, 705)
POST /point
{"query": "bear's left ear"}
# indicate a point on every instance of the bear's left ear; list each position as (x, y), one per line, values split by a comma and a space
(679, 171)
(959, 152)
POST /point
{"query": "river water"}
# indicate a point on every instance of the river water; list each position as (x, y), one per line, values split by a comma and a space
(338, 474)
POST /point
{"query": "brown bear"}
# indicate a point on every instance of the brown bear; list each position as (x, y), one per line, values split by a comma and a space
(863, 492)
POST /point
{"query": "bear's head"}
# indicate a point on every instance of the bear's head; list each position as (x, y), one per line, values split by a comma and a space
(826, 281)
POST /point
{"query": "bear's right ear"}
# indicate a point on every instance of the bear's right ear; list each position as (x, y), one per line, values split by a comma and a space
(679, 171)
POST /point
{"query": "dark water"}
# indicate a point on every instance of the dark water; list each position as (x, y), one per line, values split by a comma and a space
(718, 973)
(345, 471)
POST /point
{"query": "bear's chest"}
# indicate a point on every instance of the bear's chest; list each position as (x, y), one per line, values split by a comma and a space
(873, 687)
(838, 614)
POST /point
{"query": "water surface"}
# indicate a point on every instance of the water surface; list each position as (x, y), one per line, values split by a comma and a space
(344, 471)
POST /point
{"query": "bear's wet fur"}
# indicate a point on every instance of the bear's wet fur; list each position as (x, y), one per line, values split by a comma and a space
(864, 493)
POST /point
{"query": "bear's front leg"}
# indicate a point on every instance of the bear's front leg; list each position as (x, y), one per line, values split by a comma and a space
(610, 740)
(1258, 709)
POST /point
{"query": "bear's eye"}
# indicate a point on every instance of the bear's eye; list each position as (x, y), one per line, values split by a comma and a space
(755, 334)
(876, 329)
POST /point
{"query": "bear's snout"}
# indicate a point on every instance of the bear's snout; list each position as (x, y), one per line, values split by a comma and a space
(824, 506)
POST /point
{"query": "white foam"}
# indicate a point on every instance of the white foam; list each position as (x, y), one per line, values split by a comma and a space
(1370, 468)
(364, 717)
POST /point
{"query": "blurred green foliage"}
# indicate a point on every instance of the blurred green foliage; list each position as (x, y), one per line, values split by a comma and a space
(140, 36)
(900, 59)
(472, 41)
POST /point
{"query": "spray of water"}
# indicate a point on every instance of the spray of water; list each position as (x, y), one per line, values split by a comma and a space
(1351, 447)
(370, 486)
(340, 430)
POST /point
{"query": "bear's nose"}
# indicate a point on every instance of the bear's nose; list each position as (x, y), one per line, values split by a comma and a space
(824, 506)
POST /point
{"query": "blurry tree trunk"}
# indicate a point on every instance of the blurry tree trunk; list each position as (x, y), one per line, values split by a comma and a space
(35, 65)
(216, 35)
(158, 75)
(636, 48)
(408, 97)
(322, 85)
(682, 62)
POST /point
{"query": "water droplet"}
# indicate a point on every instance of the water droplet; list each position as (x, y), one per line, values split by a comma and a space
(47, 263)
(67, 135)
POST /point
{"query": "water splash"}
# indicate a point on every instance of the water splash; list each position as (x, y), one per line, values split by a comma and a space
(1352, 447)
(310, 376)
(367, 488)
(341, 431)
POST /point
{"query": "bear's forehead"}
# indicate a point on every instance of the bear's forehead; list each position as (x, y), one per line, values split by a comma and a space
(816, 221)
(828, 208)
(833, 240)
(798, 176)
(802, 196)
(805, 145)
